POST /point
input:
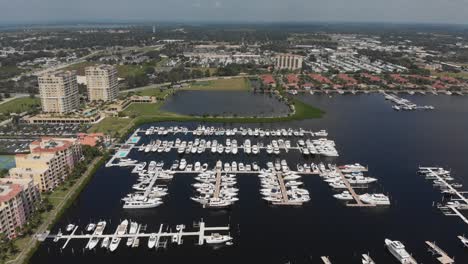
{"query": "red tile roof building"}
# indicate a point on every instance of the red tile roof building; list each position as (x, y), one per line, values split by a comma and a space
(348, 81)
(49, 163)
(319, 78)
(370, 77)
(17, 200)
(268, 79)
(397, 78)
(90, 139)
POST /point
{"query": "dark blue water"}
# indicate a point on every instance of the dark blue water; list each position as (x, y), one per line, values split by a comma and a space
(225, 103)
(366, 130)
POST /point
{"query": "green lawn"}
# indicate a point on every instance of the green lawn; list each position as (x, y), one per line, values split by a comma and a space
(463, 75)
(154, 91)
(80, 67)
(9, 72)
(19, 105)
(235, 84)
(111, 125)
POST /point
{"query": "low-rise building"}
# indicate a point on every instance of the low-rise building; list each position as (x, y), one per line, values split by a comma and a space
(17, 202)
(288, 62)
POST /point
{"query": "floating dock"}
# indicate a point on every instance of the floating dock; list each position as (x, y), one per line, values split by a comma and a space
(200, 233)
(443, 257)
(431, 171)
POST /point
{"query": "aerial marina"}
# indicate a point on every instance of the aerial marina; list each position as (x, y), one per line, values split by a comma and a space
(223, 168)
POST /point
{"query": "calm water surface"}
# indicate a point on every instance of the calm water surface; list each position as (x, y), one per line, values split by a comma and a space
(366, 130)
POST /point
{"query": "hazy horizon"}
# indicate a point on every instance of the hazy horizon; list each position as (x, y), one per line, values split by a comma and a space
(253, 11)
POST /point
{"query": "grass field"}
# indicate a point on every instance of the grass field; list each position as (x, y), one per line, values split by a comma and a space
(156, 91)
(463, 75)
(111, 125)
(19, 105)
(234, 84)
(80, 67)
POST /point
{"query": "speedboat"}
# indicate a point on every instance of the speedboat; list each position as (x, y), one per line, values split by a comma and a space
(105, 242)
(183, 164)
(114, 243)
(216, 238)
(90, 227)
(152, 240)
(399, 252)
(70, 227)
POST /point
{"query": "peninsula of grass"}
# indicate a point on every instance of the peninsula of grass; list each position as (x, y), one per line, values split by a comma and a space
(233, 84)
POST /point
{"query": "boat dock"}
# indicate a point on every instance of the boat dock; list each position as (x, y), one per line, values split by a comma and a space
(459, 203)
(358, 201)
(443, 257)
(217, 184)
(284, 193)
(200, 233)
(404, 104)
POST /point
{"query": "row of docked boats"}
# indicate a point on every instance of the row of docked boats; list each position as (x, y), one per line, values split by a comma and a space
(215, 190)
(282, 186)
(233, 166)
(442, 180)
(219, 131)
(146, 193)
(320, 146)
(129, 231)
(351, 175)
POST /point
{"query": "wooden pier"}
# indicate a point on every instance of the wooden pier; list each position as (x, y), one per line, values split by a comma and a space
(326, 260)
(217, 185)
(443, 257)
(358, 201)
(284, 192)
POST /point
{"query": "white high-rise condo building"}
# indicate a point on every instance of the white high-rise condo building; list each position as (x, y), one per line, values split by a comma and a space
(59, 92)
(288, 62)
(102, 83)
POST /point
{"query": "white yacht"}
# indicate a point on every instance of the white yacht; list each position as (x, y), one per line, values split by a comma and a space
(346, 196)
(95, 237)
(376, 198)
(216, 238)
(399, 252)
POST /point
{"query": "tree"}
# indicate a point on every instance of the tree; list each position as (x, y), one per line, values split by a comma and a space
(207, 73)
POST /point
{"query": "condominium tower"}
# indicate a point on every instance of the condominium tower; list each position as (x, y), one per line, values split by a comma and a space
(102, 83)
(59, 92)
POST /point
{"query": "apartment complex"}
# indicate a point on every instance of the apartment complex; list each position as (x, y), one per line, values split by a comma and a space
(59, 92)
(17, 200)
(288, 62)
(49, 163)
(102, 83)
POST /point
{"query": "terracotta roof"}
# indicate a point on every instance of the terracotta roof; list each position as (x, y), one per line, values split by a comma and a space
(319, 78)
(10, 190)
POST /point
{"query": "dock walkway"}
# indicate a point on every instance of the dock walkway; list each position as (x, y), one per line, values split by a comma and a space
(443, 257)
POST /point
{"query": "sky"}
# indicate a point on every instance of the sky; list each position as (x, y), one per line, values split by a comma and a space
(400, 11)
